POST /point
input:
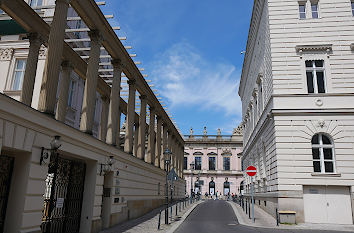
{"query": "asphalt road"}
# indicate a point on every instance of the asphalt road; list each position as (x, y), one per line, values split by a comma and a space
(215, 216)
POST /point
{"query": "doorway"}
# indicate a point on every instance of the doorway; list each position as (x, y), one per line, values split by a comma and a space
(6, 168)
(63, 195)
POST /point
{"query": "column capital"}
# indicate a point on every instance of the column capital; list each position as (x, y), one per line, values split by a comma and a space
(95, 35)
(151, 108)
(66, 65)
(62, 1)
(34, 37)
(142, 97)
(117, 63)
(131, 82)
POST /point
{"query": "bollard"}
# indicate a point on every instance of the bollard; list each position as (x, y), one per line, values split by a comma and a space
(246, 206)
(277, 216)
(249, 210)
(176, 209)
(158, 227)
(171, 213)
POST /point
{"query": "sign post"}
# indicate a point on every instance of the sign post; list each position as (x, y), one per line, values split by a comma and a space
(252, 171)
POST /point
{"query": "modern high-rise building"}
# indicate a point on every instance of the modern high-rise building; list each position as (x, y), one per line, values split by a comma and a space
(297, 92)
(212, 164)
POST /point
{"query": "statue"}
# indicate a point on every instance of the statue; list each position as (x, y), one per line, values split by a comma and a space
(191, 131)
(205, 131)
(219, 132)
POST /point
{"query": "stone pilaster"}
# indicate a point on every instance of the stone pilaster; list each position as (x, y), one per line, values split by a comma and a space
(142, 132)
(47, 97)
(159, 157)
(64, 91)
(136, 139)
(128, 144)
(89, 100)
(31, 68)
(118, 128)
(104, 118)
(169, 145)
(164, 144)
(112, 127)
(151, 141)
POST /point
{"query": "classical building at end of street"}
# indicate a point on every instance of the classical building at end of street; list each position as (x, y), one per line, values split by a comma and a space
(211, 163)
(297, 93)
(67, 164)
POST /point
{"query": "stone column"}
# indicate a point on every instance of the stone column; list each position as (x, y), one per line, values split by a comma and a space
(112, 127)
(169, 145)
(164, 144)
(159, 157)
(136, 139)
(104, 118)
(151, 141)
(47, 97)
(89, 101)
(142, 126)
(128, 144)
(118, 127)
(31, 69)
(64, 91)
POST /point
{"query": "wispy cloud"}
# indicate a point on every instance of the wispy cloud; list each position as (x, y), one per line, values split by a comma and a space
(184, 77)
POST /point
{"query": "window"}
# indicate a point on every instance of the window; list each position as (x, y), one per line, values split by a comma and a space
(227, 163)
(71, 93)
(185, 161)
(34, 3)
(315, 75)
(323, 154)
(314, 9)
(198, 163)
(1, 12)
(211, 163)
(19, 72)
(302, 10)
(260, 97)
(352, 8)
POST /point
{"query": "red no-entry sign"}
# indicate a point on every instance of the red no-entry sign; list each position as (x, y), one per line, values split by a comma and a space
(251, 171)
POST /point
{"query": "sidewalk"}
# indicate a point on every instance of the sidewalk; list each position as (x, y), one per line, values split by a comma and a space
(265, 220)
(149, 222)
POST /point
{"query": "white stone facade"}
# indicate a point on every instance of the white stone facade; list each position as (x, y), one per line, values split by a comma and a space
(287, 55)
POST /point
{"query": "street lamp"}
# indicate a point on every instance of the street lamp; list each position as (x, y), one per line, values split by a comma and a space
(54, 146)
(167, 157)
(192, 168)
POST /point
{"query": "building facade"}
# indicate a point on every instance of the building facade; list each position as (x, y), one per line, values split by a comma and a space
(66, 83)
(217, 167)
(297, 102)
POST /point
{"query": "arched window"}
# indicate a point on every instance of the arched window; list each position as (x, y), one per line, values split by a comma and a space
(323, 154)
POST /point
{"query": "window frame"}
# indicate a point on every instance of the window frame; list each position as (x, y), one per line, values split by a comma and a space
(302, 4)
(352, 6)
(15, 69)
(185, 163)
(212, 157)
(314, 71)
(315, 3)
(195, 163)
(321, 148)
(223, 163)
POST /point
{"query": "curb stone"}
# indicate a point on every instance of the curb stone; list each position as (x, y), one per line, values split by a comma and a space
(183, 218)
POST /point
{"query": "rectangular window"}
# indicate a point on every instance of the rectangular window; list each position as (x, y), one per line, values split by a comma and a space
(36, 4)
(198, 163)
(315, 75)
(302, 10)
(211, 163)
(353, 8)
(227, 163)
(1, 12)
(19, 73)
(314, 9)
(71, 93)
(185, 163)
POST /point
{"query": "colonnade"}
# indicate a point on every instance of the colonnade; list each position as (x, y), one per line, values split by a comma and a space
(161, 132)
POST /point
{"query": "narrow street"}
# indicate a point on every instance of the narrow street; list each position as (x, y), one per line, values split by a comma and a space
(216, 216)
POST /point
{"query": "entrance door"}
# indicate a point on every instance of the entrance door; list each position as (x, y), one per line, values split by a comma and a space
(6, 166)
(63, 196)
(327, 204)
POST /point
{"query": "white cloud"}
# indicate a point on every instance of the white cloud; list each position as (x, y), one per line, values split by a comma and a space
(184, 77)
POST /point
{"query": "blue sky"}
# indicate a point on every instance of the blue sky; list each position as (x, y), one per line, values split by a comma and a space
(191, 50)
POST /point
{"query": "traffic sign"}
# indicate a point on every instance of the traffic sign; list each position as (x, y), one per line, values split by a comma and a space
(251, 171)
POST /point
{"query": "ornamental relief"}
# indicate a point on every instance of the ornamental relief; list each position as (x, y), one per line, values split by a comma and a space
(42, 52)
(6, 54)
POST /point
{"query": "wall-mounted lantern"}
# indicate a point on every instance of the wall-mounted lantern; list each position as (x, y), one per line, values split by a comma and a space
(54, 146)
(107, 167)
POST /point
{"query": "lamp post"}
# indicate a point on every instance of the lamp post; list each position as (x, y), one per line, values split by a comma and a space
(167, 157)
(192, 169)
